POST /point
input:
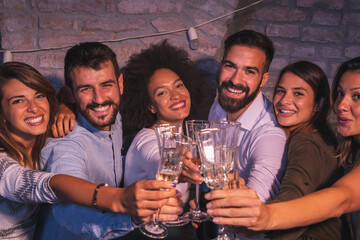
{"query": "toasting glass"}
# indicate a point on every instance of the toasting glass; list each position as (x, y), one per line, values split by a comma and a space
(174, 149)
(211, 148)
(160, 130)
(193, 126)
(231, 152)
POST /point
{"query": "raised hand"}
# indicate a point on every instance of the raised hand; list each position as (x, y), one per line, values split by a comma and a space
(64, 121)
(142, 199)
(190, 172)
(238, 207)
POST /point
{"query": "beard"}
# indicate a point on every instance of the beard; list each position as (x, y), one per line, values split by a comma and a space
(233, 105)
(97, 121)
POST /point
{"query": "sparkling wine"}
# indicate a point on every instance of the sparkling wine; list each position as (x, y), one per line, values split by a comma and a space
(197, 162)
(214, 176)
(168, 175)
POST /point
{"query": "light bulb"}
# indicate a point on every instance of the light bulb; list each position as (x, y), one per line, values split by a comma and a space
(194, 42)
(8, 56)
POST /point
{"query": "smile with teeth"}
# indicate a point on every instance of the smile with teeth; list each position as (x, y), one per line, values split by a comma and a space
(178, 105)
(286, 111)
(101, 108)
(234, 91)
(34, 120)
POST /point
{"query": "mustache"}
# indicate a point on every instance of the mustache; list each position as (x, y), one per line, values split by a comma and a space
(94, 105)
(229, 84)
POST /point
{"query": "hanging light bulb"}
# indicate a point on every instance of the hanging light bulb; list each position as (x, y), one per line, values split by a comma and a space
(8, 56)
(194, 43)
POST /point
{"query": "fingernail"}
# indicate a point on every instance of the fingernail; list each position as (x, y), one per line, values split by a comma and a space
(215, 220)
(177, 191)
(209, 205)
(207, 196)
(179, 211)
(209, 211)
(173, 184)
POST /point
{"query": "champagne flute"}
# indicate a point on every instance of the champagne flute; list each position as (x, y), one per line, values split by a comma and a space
(174, 149)
(166, 127)
(191, 127)
(160, 130)
(230, 161)
(210, 142)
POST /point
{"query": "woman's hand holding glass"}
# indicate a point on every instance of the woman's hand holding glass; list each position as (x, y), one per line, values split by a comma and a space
(175, 147)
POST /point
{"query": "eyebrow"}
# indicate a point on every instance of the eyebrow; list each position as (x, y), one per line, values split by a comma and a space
(246, 67)
(20, 96)
(88, 85)
(351, 89)
(16, 96)
(299, 88)
(162, 86)
(295, 88)
(252, 68)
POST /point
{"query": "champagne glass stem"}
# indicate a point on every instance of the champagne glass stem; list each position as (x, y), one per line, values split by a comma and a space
(221, 233)
(156, 220)
(197, 192)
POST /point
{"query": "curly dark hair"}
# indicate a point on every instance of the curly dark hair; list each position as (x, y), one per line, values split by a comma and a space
(137, 72)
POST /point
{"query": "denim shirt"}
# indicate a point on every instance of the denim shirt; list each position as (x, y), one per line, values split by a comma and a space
(93, 155)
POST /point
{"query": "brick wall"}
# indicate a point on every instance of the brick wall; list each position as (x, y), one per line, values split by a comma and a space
(323, 31)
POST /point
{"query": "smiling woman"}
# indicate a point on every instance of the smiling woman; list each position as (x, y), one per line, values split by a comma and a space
(161, 85)
(168, 89)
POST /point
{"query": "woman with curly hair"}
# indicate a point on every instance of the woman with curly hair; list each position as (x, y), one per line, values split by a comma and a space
(161, 85)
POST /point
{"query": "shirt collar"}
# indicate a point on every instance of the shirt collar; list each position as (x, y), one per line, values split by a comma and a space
(250, 116)
(99, 133)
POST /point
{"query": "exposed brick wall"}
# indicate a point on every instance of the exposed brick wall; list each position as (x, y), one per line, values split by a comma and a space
(32, 24)
(323, 31)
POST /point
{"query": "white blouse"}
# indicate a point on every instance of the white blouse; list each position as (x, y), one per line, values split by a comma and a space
(143, 158)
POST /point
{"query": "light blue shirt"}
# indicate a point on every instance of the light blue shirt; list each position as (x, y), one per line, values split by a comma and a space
(92, 155)
(262, 147)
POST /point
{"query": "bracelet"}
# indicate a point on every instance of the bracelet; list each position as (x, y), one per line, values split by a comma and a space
(94, 200)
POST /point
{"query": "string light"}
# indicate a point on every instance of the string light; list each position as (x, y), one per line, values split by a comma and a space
(8, 57)
(193, 45)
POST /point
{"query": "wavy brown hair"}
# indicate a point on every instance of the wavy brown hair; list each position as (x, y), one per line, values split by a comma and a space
(349, 147)
(137, 72)
(34, 80)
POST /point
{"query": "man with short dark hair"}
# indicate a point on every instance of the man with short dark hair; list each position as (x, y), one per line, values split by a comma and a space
(242, 74)
(92, 151)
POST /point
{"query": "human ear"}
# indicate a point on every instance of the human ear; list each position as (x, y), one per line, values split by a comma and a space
(152, 109)
(265, 78)
(121, 83)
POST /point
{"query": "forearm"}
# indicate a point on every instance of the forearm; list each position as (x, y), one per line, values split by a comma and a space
(78, 191)
(310, 209)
